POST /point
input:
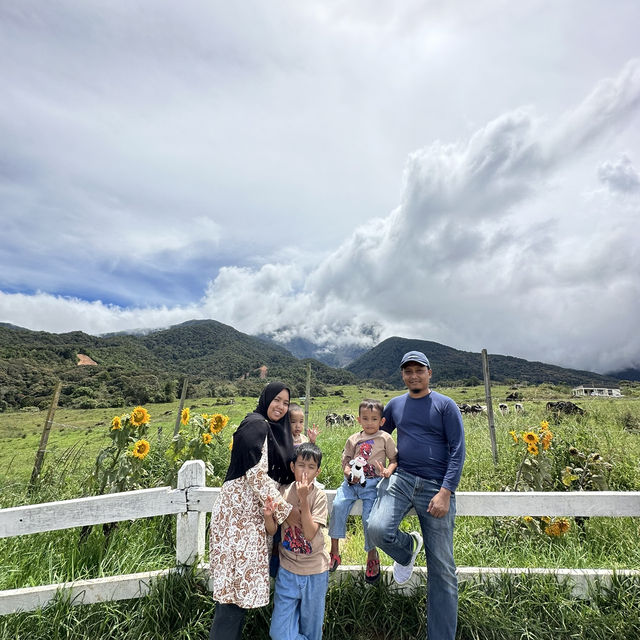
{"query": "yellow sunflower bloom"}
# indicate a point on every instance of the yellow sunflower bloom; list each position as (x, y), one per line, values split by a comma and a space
(116, 424)
(544, 425)
(533, 449)
(184, 416)
(545, 519)
(140, 416)
(218, 422)
(513, 435)
(547, 436)
(206, 438)
(528, 519)
(563, 525)
(552, 530)
(530, 437)
(141, 449)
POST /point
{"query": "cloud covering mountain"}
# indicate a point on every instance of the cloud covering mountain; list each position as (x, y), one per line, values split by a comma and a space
(254, 185)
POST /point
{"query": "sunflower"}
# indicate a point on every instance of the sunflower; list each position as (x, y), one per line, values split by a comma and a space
(545, 519)
(141, 449)
(206, 438)
(547, 436)
(528, 519)
(140, 416)
(218, 422)
(184, 416)
(563, 525)
(530, 438)
(513, 435)
(533, 449)
(116, 424)
(544, 425)
(553, 530)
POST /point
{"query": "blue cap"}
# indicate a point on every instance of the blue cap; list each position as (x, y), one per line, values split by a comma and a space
(415, 356)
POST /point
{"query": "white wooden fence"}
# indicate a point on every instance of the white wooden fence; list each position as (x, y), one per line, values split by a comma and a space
(191, 501)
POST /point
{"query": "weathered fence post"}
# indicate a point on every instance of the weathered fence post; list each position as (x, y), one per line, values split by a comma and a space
(190, 530)
(45, 435)
(183, 395)
(307, 398)
(487, 393)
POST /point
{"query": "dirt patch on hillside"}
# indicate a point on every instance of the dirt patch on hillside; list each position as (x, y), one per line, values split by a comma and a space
(85, 360)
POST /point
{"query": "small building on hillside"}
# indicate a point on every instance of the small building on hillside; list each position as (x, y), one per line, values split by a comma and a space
(596, 391)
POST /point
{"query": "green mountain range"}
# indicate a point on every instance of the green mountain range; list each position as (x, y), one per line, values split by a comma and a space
(451, 365)
(126, 369)
(134, 369)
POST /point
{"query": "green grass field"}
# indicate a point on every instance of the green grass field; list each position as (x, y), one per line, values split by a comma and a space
(610, 428)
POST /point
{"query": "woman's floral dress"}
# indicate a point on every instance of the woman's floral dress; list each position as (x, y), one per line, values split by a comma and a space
(239, 544)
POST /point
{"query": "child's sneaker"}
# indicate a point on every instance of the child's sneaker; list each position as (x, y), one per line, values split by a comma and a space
(402, 572)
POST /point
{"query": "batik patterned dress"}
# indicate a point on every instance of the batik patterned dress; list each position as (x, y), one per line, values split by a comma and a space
(239, 543)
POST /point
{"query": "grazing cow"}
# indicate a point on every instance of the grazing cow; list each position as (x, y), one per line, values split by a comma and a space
(473, 409)
(518, 408)
(504, 409)
(348, 419)
(564, 406)
(332, 420)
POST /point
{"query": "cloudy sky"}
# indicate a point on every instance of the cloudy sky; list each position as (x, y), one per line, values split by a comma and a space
(464, 172)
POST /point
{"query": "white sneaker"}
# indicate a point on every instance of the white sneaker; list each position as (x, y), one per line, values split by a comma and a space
(402, 572)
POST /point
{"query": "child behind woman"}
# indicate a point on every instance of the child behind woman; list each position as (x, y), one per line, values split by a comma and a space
(375, 447)
(296, 420)
(302, 580)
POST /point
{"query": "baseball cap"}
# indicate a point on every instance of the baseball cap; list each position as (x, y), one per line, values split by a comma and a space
(415, 356)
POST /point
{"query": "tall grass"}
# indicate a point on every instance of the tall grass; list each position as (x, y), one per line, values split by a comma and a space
(505, 608)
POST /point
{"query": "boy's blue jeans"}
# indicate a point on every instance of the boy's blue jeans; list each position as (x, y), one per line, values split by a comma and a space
(346, 495)
(298, 606)
(396, 496)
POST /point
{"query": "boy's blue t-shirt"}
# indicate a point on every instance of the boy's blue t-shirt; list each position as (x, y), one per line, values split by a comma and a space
(430, 436)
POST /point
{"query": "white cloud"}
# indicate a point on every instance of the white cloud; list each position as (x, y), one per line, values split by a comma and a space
(620, 176)
(254, 153)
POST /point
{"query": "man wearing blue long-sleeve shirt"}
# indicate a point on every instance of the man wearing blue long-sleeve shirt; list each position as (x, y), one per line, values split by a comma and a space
(431, 454)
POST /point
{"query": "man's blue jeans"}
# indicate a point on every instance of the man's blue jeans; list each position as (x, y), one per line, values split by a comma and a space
(346, 495)
(298, 606)
(396, 496)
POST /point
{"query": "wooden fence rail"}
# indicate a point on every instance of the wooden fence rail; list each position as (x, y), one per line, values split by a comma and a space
(191, 501)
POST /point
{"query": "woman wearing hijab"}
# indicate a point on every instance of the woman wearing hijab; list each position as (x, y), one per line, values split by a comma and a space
(239, 544)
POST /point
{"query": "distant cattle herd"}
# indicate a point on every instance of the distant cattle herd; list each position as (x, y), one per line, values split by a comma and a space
(561, 406)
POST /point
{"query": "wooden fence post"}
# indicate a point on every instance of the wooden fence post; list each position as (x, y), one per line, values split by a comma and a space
(190, 529)
(307, 399)
(183, 395)
(45, 435)
(487, 393)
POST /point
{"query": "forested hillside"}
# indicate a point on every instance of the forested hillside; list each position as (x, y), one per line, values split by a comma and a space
(217, 359)
(452, 366)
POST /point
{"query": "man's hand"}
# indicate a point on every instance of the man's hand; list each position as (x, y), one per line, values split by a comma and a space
(439, 505)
